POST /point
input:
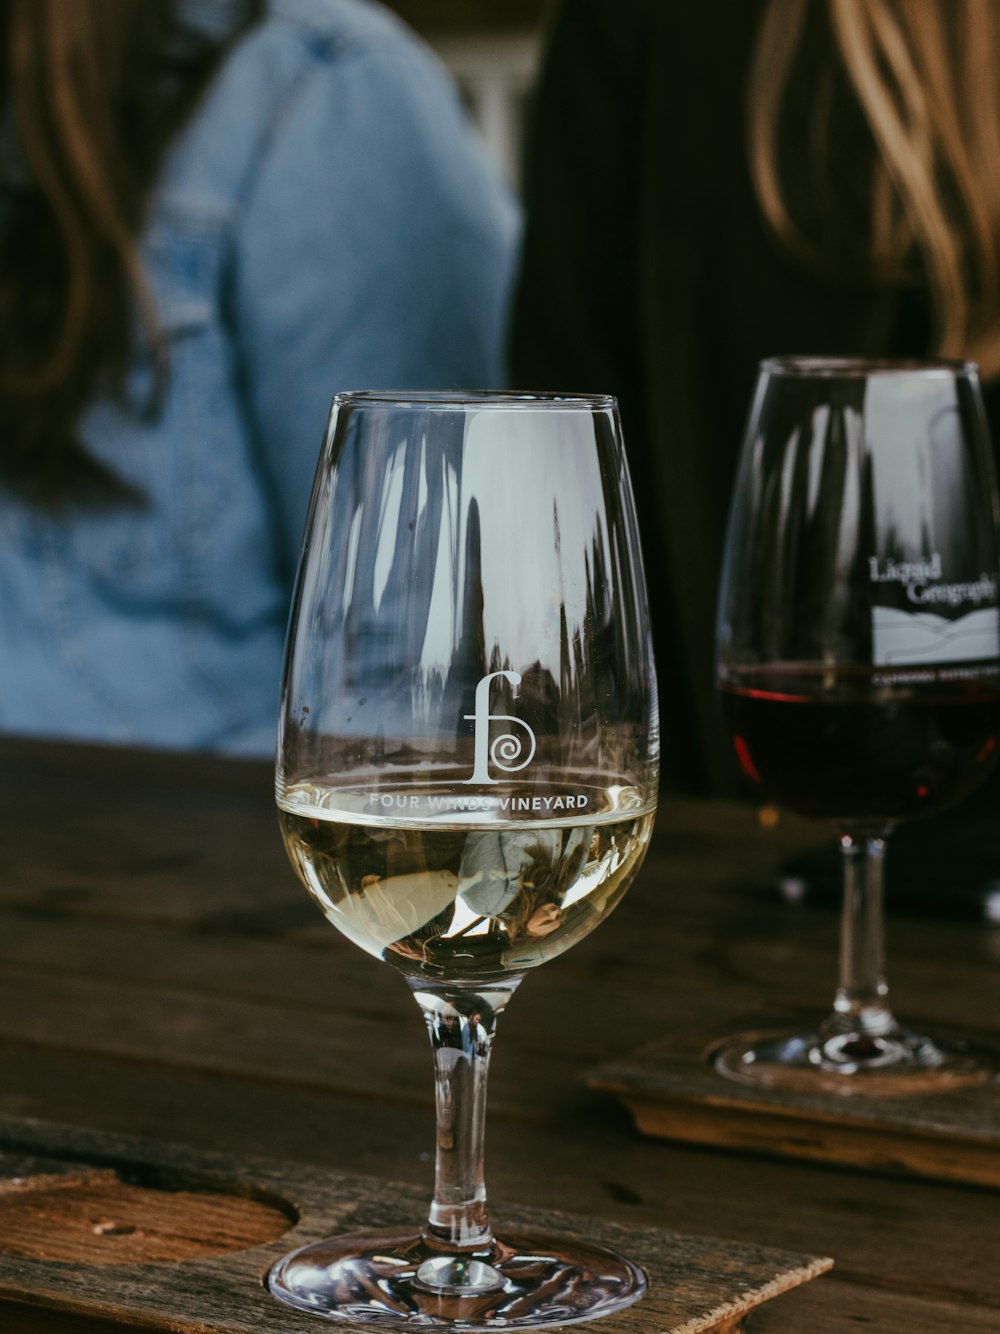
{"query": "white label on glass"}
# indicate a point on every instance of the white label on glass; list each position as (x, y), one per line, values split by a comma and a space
(507, 751)
(906, 572)
(409, 803)
(921, 581)
(907, 637)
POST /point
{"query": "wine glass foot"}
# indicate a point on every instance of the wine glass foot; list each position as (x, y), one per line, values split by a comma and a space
(835, 1059)
(399, 1281)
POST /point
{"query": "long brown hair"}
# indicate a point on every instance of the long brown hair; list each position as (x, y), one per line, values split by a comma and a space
(92, 108)
(923, 75)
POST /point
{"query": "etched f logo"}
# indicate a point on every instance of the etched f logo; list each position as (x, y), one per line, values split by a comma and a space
(506, 749)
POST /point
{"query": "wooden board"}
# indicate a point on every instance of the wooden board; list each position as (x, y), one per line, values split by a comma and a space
(164, 1239)
(673, 1092)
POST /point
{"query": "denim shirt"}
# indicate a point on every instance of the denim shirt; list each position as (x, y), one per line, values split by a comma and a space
(326, 220)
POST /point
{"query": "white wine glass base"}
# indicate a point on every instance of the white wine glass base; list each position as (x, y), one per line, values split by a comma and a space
(395, 1279)
(834, 1058)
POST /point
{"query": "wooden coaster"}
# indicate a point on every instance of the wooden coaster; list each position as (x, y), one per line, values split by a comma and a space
(673, 1092)
(203, 1231)
(94, 1217)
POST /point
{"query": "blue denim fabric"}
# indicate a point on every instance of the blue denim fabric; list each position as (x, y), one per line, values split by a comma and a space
(326, 221)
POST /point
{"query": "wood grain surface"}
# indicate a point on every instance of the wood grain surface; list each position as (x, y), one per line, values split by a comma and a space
(162, 974)
(672, 1091)
(201, 1233)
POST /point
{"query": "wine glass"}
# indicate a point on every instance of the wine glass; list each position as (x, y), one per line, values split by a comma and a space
(466, 783)
(859, 662)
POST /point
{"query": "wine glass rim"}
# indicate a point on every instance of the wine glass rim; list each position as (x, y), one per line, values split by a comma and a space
(819, 367)
(461, 399)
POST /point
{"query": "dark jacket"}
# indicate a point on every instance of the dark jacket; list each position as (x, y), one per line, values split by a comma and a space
(649, 273)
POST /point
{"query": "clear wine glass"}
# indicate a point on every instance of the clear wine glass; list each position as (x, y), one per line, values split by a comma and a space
(859, 662)
(466, 783)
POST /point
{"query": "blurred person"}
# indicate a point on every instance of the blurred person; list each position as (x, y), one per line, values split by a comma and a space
(710, 184)
(213, 215)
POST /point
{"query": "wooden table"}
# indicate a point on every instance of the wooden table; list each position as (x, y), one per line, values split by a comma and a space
(163, 974)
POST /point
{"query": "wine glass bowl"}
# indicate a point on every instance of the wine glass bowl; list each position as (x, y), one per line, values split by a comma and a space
(443, 899)
(466, 783)
(858, 662)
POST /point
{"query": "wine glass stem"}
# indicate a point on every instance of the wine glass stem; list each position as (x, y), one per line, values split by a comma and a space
(861, 1003)
(461, 1024)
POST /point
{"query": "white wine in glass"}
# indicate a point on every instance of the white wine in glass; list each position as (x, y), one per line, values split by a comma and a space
(466, 783)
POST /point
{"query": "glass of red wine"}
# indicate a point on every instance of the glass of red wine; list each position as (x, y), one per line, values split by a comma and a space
(858, 663)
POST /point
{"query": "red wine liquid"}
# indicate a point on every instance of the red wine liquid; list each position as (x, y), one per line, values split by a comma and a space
(862, 746)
